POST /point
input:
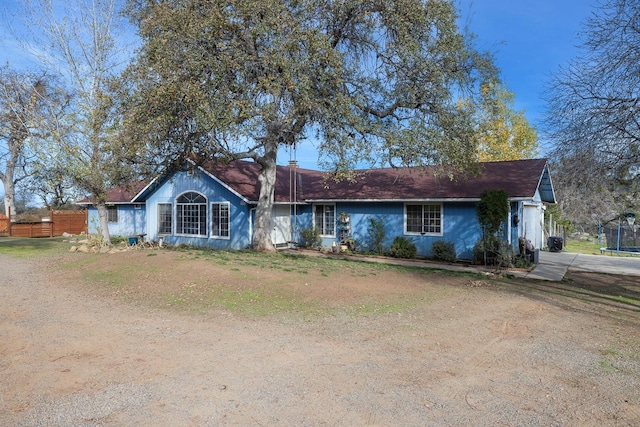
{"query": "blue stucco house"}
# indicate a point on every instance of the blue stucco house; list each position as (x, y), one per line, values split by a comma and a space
(214, 205)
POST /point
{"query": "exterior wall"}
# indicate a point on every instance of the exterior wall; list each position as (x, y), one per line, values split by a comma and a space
(131, 221)
(240, 225)
(531, 223)
(460, 226)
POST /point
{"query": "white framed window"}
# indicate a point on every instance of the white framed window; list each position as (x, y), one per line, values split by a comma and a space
(191, 214)
(165, 218)
(324, 219)
(112, 213)
(423, 219)
(220, 220)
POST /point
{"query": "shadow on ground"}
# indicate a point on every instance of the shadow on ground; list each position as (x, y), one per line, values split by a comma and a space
(604, 294)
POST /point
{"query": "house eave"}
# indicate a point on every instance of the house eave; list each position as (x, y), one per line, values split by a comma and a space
(438, 200)
(282, 203)
(144, 190)
(110, 203)
(414, 200)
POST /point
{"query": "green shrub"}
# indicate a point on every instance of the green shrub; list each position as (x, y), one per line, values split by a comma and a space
(311, 238)
(376, 234)
(493, 209)
(403, 248)
(521, 262)
(498, 252)
(479, 252)
(443, 251)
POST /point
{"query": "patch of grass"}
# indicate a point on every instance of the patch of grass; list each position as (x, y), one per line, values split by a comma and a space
(590, 248)
(581, 246)
(618, 360)
(29, 248)
(370, 309)
(79, 262)
(609, 351)
(114, 278)
(252, 291)
(258, 302)
(626, 300)
(607, 365)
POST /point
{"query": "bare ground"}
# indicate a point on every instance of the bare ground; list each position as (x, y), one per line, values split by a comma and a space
(82, 347)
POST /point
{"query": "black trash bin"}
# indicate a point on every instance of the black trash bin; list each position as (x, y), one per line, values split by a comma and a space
(554, 243)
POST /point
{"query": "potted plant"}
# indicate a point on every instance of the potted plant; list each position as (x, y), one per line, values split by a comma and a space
(348, 244)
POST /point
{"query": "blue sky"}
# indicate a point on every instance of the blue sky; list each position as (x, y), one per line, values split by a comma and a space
(530, 40)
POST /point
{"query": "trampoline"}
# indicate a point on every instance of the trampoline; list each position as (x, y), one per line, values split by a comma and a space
(619, 235)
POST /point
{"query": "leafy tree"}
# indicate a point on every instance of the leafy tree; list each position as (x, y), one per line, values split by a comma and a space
(493, 210)
(51, 185)
(371, 81)
(593, 103)
(24, 107)
(78, 42)
(377, 234)
(505, 133)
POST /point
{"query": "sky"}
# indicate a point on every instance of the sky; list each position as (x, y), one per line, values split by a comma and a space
(530, 40)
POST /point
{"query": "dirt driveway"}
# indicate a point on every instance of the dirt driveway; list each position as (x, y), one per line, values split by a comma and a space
(469, 352)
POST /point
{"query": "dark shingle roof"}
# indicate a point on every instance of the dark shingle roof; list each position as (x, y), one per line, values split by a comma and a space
(519, 178)
(122, 194)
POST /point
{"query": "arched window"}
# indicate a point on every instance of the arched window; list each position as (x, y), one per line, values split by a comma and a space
(191, 214)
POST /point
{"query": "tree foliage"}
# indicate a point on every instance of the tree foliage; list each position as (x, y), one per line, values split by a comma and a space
(593, 110)
(505, 133)
(28, 103)
(79, 45)
(493, 210)
(370, 81)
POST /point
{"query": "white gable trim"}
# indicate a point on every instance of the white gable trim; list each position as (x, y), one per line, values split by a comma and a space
(216, 179)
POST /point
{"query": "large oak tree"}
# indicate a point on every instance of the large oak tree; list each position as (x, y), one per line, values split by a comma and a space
(369, 81)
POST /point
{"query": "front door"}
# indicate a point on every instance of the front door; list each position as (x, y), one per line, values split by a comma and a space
(281, 223)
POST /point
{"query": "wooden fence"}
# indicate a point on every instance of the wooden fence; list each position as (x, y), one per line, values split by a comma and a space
(59, 222)
(4, 225)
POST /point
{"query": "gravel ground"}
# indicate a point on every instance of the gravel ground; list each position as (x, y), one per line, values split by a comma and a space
(474, 356)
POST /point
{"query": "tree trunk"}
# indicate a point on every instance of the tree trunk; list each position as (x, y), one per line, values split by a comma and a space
(9, 189)
(267, 178)
(104, 223)
(9, 200)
